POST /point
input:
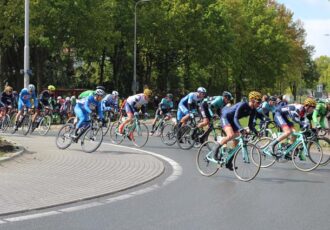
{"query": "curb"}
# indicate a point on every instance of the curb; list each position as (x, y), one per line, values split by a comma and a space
(9, 156)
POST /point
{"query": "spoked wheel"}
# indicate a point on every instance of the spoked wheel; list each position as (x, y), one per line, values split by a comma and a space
(12, 124)
(266, 159)
(325, 145)
(140, 135)
(245, 168)
(5, 122)
(115, 136)
(26, 124)
(91, 139)
(184, 137)
(168, 134)
(44, 125)
(63, 139)
(307, 161)
(205, 162)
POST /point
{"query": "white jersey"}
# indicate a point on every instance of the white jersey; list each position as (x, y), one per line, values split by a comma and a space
(137, 100)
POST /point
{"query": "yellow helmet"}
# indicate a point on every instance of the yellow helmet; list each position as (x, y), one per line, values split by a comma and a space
(255, 95)
(51, 88)
(147, 92)
(310, 102)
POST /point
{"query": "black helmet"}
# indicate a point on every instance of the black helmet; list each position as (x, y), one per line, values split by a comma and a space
(227, 94)
(272, 98)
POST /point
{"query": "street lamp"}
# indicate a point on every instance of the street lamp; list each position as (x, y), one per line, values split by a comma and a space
(135, 19)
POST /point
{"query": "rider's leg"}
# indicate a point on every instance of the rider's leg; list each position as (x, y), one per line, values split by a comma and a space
(287, 128)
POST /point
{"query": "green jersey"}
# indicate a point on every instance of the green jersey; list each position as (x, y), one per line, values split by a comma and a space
(86, 93)
(320, 111)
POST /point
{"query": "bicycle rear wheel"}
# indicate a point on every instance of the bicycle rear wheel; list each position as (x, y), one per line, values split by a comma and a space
(91, 139)
(63, 139)
(5, 122)
(184, 137)
(44, 125)
(325, 145)
(205, 166)
(140, 135)
(26, 124)
(245, 168)
(266, 159)
(168, 134)
(307, 161)
(115, 136)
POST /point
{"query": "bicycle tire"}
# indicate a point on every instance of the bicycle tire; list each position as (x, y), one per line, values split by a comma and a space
(93, 135)
(44, 125)
(243, 159)
(141, 131)
(70, 120)
(307, 162)
(26, 124)
(266, 160)
(12, 124)
(325, 145)
(105, 129)
(115, 137)
(5, 123)
(64, 134)
(168, 134)
(204, 165)
(184, 137)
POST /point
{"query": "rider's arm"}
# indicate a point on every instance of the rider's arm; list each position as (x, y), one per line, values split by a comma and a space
(86, 105)
(252, 121)
(100, 110)
(238, 111)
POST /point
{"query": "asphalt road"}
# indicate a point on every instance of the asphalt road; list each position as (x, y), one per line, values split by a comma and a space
(279, 198)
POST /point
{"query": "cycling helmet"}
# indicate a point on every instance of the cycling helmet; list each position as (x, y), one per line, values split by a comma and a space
(272, 98)
(169, 95)
(255, 95)
(73, 97)
(310, 102)
(67, 98)
(100, 87)
(227, 94)
(147, 92)
(59, 98)
(31, 87)
(99, 92)
(51, 88)
(201, 90)
(115, 93)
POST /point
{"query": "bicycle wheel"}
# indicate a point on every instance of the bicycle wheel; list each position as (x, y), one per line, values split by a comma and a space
(5, 122)
(106, 126)
(140, 135)
(266, 159)
(307, 160)
(44, 125)
(26, 124)
(63, 139)
(168, 134)
(184, 137)
(70, 120)
(204, 157)
(91, 139)
(325, 145)
(245, 168)
(115, 136)
(12, 124)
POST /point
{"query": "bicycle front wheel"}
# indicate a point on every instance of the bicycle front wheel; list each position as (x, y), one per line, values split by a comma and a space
(44, 125)
(91, 139)
(5, 122)
(307, 159)
(115, 136)
(245, 168)
(26, 124)
(168, 134)
(63, 139)
(140, 135)
(204, 157)
(267, 160)
(106, 126)
(184, 137)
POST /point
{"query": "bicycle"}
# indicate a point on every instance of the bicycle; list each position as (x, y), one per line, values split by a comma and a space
(24, 122)
(161, 123)
(245, 156)
(136, 131)
(4, 120)
(42, 122)
(319, 135)
(90, 136)
(305, 153)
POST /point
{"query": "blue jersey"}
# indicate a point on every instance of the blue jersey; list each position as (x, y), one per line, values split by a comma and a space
(189, 100)
(296, 112)
(25, 97)
(265, 108)
(89, 104)
(109, 101)
(239, 110)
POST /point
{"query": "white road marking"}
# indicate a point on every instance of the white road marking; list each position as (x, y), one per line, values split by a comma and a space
(177, 171)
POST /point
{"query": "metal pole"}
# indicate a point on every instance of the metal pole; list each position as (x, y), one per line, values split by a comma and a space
(26, 45)
(135, 29)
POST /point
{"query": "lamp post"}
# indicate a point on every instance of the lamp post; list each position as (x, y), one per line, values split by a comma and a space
(26, 45)
(135, 19)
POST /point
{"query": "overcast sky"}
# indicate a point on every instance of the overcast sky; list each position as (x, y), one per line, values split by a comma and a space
(315, 15)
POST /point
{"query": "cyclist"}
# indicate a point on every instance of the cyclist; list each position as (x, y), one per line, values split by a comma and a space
(230, 121)
(298, 113)
(133, 104)
(7, 100)
(24, 101)
(164, 108)
(110, 102)
(320, 113)
(88, 93)
(267, 107)
(85, 107)
(187, 103)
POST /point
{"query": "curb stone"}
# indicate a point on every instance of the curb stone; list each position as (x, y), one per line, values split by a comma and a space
(8, 156)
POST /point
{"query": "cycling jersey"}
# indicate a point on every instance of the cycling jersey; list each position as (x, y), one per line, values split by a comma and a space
(44, 97)
(164, 106)
(186, 104)
(135, 102)
(296, 112)
(24, 99)
(109, 102)
(7, 100)
(84, 107)
(216, 102)
(86, 93)
(231, 116)
(320, 111)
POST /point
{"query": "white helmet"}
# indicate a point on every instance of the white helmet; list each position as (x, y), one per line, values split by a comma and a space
(67, 98)
(31, 87)
(99, 92)
(115, 93)
(59, 98)
(201, 90)
(73, 97)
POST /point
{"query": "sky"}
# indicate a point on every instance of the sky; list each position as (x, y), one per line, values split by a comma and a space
(315, 14)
